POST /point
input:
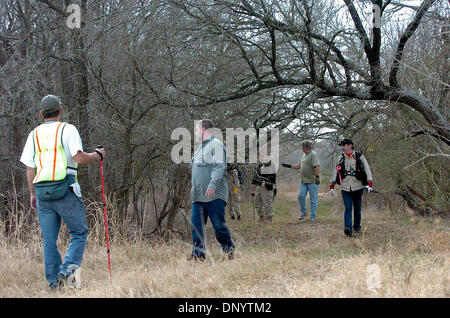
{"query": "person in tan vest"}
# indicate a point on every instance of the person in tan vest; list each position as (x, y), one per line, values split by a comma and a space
(234, 189)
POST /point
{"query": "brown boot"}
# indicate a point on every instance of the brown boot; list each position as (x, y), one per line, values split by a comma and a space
(261, 219)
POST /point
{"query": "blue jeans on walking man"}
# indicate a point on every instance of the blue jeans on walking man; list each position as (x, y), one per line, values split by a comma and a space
(216, 211)
(352, 201)
(72, 211)
(313, 190)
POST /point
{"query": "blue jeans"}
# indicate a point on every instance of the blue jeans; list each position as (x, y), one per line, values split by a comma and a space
(72, 211)
(199, 216)
(313, 198)
(352, 200)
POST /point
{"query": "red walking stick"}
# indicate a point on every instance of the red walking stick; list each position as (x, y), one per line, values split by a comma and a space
(104, 210)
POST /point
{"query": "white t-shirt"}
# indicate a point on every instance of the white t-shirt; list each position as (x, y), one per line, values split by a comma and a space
(71, 141)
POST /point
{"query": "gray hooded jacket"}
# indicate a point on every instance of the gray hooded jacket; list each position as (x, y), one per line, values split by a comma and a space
(209, 169)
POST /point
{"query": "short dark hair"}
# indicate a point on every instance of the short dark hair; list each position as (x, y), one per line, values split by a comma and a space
(50, 114)
(206, 124)
(307, 144)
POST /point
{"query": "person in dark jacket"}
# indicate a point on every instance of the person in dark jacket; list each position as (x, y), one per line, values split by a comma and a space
(263, 185)
(353, 174)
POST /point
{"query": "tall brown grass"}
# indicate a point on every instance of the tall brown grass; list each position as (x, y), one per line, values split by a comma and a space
(283, 259)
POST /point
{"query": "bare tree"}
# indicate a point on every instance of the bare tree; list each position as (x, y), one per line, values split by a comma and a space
(295, 46)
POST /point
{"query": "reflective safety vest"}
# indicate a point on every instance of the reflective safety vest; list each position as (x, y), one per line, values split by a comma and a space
(49, 155)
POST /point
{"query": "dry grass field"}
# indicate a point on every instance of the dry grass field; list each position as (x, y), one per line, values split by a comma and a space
(395, 256)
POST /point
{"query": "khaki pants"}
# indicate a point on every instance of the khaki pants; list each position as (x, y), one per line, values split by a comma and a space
(263, 202)
(234, 207)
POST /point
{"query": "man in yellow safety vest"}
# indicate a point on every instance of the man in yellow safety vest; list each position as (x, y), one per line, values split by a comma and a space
(52, 153)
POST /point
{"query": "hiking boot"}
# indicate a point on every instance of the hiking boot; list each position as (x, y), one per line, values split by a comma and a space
(61, 281)
(268, 219)
(232, 217)
(261, 219)
(55, 287)
(230, 254)
(348, 232)
(196, 258)
(239, 217)
(73, 278)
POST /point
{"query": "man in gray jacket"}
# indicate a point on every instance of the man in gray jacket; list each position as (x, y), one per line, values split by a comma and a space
(209, 192)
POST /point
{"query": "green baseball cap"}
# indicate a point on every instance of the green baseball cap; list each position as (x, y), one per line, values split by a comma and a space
(50, 103)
